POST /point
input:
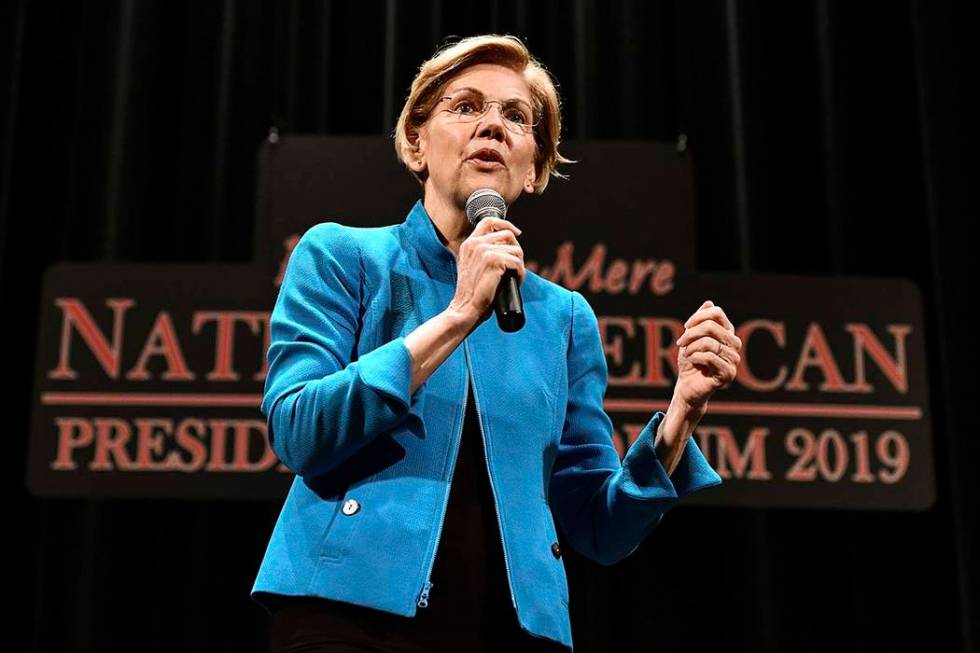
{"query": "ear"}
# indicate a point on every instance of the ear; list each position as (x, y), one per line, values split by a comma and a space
(530, 179)
(416, 159)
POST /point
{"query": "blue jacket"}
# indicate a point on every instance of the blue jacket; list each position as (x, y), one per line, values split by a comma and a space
(362, 519)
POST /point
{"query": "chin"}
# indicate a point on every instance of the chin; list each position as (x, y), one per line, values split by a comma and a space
(486, 181)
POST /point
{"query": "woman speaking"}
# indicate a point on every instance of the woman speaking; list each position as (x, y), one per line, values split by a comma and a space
(435, 453)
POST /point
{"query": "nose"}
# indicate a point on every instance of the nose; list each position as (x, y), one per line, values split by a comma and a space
(493, 126)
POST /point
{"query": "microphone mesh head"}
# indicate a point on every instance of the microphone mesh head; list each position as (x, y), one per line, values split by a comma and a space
(484, 203)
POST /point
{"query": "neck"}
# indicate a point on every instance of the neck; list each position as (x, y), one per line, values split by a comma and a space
(449, 219)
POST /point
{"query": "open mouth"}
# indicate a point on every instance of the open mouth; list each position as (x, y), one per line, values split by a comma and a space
(488, 159)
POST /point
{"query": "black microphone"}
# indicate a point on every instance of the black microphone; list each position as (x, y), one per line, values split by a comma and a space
(507, 303)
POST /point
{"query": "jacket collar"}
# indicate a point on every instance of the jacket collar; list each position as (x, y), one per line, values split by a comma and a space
(436, 257)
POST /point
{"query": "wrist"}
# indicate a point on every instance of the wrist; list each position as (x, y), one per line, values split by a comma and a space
(461, 320)
(680, 406)
(679, 421)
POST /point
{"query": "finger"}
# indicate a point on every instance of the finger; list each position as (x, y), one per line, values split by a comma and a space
(712, 329)
(488, 249)
(476, 243)
(714, 346)
(511, 249)
(488, 225)
(512, 262)
(697, 316)
(504, 235)
(711, 312)
(725, 322)
(705, 343)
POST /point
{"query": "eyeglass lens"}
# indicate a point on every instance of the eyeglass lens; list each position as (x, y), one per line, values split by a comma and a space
(469, 105)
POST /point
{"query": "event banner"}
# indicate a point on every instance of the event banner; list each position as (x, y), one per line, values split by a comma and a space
(149, 380)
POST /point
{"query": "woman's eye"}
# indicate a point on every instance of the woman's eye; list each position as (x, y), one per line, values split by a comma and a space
(517, 116)
(463, 106)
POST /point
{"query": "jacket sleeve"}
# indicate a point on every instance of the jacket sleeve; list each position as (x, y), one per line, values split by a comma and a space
(606, 507)
(321, 406)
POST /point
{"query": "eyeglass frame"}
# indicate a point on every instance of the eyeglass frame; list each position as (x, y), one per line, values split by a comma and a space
(538, 116)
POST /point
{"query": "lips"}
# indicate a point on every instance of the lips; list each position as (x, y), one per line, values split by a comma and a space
(487, 156)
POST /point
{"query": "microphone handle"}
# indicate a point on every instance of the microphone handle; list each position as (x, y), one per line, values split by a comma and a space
(507, 303)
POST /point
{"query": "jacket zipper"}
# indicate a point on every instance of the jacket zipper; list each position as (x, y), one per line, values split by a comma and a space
(486, 456)
(423, 600)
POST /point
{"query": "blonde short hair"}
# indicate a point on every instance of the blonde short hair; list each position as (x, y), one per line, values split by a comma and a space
(505, 50)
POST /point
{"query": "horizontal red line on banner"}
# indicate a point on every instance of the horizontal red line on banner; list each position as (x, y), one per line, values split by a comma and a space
(613, 405)
(148, 399)
(776, 409)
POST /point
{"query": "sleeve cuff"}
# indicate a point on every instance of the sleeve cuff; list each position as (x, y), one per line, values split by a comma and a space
(388, 370)
(646, 477)
(692, 473)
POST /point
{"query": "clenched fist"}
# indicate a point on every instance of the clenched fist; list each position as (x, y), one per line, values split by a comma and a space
(708, 355)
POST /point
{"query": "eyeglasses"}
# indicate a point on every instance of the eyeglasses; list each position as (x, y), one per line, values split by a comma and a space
(469, 105)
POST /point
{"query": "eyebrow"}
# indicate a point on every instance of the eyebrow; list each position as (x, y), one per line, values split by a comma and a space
(476, 90)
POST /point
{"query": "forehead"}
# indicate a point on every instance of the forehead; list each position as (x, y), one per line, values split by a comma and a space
(492, 80)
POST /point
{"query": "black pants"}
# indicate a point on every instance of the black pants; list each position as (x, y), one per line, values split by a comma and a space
(314, 625)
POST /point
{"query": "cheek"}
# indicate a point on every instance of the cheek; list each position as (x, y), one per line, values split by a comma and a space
(449, 157)
(528, 160)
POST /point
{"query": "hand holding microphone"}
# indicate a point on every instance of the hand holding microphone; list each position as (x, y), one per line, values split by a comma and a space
(490, 264)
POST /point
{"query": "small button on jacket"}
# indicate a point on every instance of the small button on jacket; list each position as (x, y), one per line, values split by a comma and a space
(351, 506)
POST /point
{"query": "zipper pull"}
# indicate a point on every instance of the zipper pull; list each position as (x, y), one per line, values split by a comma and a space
(424, 597)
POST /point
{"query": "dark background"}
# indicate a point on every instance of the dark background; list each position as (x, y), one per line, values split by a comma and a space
(829, 138)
